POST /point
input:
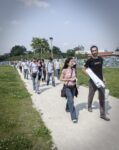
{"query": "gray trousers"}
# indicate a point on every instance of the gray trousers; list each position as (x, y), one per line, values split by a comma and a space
(101, 96)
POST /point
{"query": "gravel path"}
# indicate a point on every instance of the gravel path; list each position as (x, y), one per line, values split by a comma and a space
(90, 133)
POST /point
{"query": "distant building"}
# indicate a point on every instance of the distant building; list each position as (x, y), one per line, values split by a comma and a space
(116, 53)
(104, 54)
(79, 52)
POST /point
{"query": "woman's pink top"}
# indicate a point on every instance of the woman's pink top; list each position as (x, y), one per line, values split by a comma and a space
(67, 74)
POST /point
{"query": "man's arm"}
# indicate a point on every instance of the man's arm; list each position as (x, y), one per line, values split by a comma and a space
(84, 71)
(86, 65)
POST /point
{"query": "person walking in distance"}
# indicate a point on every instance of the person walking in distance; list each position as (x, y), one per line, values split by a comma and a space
(34, 75)
(25, 69)
(68, 75)
(57, 68)
(43, 70)
(50, 71)
(95, 63)
(39, 63)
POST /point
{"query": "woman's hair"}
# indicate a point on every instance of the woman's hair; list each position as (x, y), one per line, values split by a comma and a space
(67, 62)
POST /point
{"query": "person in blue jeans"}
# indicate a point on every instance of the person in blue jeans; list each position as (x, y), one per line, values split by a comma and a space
(34, 75)
(50, 71)
(57, 68)
(68, 75)
(25, 69)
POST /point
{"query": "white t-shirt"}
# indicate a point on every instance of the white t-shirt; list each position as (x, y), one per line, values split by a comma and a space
(34, 67)
(50, 67)
(57, 65)
(25, 65)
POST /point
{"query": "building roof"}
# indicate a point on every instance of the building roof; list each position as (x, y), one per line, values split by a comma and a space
(104, 54)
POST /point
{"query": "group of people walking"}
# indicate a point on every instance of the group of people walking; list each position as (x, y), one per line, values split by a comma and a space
(68, 76)
(39, 70)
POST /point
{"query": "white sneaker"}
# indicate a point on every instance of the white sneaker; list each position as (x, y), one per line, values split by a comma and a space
(38, 92)
(74, 120)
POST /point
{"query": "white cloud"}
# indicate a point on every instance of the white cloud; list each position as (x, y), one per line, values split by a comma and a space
(67, 22)
(38, 3)
(15, 22)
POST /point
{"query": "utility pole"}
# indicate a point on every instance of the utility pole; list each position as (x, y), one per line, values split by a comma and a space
(51, 46)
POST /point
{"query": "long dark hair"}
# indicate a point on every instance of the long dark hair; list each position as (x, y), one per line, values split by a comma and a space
(67, 62)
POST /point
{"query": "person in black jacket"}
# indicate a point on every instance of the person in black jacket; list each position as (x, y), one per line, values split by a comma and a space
(95, 63)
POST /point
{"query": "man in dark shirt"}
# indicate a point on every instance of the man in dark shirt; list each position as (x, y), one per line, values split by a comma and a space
(95, 63)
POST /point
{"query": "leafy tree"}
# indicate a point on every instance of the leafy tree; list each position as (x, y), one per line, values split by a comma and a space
(64, 54)
(80, 47)
(40, 45)
(18, 50)
(4, 57)
(70, 53)
(81, 56)
(117, 49)
(56, 51)
(29, 52)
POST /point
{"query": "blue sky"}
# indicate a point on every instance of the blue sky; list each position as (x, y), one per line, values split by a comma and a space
(69, 22)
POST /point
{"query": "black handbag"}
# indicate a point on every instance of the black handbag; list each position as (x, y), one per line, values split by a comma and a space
(76, 91)
(34, 75)
(63, 91)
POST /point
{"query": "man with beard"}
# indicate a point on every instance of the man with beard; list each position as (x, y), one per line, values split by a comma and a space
(95, 63)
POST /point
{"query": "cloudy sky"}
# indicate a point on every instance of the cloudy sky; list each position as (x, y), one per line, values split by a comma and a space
(69, 22)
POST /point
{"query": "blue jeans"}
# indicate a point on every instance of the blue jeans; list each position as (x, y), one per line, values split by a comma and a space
(26, 73)
(35, 83)
(70, 92)
(58, 73)
(48, 78)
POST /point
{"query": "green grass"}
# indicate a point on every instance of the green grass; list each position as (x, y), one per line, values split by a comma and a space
(21, 127)
(112, 80)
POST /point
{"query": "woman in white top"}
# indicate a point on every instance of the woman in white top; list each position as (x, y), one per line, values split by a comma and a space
(34, 75)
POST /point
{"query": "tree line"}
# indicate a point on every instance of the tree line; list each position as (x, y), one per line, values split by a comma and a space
(40, 49)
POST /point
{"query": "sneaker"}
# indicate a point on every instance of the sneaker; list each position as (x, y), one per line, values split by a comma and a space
(67, 110)
(105, 118)
(74, 120)
(90, 109)
(38, 92)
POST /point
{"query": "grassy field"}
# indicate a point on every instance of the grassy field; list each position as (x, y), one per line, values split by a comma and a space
(112, 80)
(21, 127)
